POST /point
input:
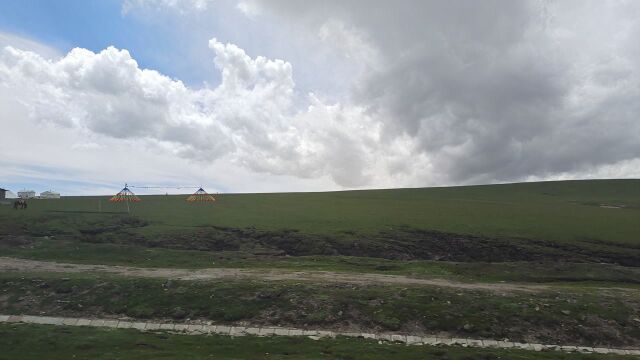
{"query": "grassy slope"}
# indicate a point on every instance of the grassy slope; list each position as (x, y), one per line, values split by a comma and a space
(567, 316)
(558, 211)
(48, 342)
(568, 212)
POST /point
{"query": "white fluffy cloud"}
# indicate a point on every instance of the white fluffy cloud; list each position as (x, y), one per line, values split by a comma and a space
(248, 119)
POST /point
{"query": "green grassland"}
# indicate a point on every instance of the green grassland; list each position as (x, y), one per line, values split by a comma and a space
(474, 233)
(48, 342)
(558, 211)
(557, 233)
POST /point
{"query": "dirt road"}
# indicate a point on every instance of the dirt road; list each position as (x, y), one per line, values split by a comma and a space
(8, 264)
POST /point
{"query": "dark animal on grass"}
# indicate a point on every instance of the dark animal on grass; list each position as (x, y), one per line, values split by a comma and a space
(20, 204)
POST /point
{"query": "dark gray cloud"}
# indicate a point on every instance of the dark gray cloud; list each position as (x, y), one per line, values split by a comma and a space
(496, 90)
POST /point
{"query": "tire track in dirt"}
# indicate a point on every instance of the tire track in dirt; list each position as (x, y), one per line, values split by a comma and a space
(8, 264)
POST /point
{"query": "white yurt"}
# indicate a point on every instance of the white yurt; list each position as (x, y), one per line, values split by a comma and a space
(49, 195)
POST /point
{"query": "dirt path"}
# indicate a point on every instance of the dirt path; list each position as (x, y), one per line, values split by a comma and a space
(8, 264)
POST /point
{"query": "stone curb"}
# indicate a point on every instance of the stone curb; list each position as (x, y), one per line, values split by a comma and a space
(199, 329)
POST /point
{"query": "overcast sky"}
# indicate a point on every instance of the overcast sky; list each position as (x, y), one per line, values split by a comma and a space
(287, 95)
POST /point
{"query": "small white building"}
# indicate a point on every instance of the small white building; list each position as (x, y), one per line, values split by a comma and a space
(26, 194)
(49, 195)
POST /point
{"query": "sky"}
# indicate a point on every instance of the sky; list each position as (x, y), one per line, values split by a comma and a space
(284, 95)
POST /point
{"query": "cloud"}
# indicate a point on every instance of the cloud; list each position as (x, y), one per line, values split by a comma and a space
(21, 42)
(45, 156)
(492, 91)
(250, 118)
(107, 93)
(182, 6)
(351, 43)
(433, 93)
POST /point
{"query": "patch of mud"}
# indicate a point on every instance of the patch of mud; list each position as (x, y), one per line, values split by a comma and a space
(16, 240)
(398, 244)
